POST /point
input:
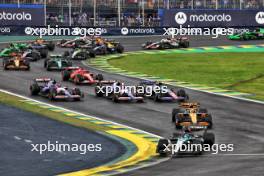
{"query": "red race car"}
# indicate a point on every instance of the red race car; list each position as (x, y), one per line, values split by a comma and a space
(79, 75)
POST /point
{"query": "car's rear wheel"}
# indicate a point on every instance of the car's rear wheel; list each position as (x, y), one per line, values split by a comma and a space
(92, 54)
(66, 75)
(174, 113)
(157, 97)
(50, 46)
(77, 91)
(34, 89)
(36, 55)
(209, 138)
(98, 91)
(66, 53)
(43, 52)
(161, 147)
(115, 99)
(119, 48)
(99, 77)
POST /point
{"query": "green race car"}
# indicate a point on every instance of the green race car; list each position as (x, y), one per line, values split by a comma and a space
(250, 35)
(56, 62)
(23, 49)
(13, 48)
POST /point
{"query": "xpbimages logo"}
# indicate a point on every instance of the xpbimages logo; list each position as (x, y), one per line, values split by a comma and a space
(181, 18)
(23, 16)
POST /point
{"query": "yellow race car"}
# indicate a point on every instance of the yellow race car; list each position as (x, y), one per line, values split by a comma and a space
(16, 62)
(191, 115)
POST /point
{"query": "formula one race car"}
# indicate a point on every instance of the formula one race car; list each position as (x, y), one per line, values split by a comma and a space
(42, 49)
(76, 43)
(191, 115)
(16, 62)
(48, 88)
(80, 76)
(103, 46)
(31, 54)
(79, 54)
(197, 143)
(56, 62)
(46, 44)
(251, 35)
(118, 92)
(160, 93)
(169, 43)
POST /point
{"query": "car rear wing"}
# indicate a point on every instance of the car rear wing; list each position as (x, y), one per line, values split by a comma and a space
(42, 80)
(188, 105)
(71, 68)
(56, 56)
(197, 127)
(105, 82)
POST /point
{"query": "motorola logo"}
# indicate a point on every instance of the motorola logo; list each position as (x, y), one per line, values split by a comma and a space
(260, 17)
(23, 16)
(180, 18)
(124, 31)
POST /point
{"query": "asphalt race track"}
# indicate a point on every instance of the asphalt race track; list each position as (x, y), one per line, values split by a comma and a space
(20, 129)
(236, 121)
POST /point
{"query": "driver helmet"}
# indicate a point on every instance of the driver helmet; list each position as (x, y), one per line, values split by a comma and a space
(118, 83)
(54, 82)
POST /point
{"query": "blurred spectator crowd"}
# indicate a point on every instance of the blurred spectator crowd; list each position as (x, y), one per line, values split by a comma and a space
(131, 10)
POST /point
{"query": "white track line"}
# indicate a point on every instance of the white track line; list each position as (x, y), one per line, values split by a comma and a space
(115, 123)
(125, 171)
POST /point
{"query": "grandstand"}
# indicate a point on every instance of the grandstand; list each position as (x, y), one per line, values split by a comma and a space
(124, 12)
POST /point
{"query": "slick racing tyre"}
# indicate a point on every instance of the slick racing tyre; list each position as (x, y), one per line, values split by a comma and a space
(209, 138)
(174, 113)
(66, 75)
(161, 147)
(119, 48)
(50, 46)
(34, 89)
(43, 52)
(99, 77)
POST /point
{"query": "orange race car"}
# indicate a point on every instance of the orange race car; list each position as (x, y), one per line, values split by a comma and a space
(81, 76)
(16, 62)
(45, 44)
(191, 115)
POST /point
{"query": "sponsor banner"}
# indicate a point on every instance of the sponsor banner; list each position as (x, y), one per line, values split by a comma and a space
(212, 18)
(91, 31)
(25, 15)
(77, 31)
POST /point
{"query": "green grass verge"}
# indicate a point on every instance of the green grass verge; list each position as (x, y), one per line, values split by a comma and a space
(16, 102)
(236, 71)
